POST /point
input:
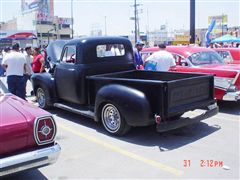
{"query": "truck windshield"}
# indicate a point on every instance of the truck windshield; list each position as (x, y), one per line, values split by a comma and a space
(205, 58)
(110, 50)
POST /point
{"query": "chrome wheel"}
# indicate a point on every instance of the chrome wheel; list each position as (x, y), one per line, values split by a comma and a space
(41, 98)
(111, 118)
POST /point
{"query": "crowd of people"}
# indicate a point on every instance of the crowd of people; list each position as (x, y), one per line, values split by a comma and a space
(224, 45)
(20, 65)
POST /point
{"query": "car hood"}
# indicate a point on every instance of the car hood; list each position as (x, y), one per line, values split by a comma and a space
(16, 123)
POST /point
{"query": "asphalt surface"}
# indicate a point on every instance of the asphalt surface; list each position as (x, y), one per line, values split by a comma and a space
(207, 150)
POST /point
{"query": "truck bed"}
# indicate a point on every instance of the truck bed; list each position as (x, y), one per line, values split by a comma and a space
(173, 94)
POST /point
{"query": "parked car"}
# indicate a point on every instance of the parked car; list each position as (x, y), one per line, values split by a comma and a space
(106, 87)
(230, 55)
(206, 60)
(27, 135)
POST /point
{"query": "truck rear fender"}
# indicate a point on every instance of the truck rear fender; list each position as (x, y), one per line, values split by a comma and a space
(132, 104)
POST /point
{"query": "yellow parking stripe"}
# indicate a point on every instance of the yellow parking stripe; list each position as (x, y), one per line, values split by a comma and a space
(124, 152)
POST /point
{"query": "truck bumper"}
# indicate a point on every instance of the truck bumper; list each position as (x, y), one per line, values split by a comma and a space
(29, 160)
(231, 96)
(170, 125)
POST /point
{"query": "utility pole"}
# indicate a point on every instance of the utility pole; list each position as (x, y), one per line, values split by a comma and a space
(135, 20)
(105, 18)
(72, 16)
(222, 23)
(192, 21)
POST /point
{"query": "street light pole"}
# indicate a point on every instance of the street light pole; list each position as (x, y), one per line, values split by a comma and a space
(72, 16)
(192, 21)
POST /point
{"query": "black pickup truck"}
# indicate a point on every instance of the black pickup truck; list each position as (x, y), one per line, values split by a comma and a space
(96, 77)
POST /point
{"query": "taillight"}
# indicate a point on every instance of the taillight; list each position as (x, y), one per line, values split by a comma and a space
(44, 130)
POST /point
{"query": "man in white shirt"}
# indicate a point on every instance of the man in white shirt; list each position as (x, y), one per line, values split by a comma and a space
(15, 65)
(162, 60)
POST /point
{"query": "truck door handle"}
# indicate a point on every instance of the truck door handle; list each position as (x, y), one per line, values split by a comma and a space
(71, 69)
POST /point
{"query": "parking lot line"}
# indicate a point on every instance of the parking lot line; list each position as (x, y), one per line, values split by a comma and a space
(124, 152)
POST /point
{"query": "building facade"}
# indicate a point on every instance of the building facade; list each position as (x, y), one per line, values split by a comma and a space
(38, 17)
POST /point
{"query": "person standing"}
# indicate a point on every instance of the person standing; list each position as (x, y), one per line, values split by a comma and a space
(162, 60)
(15, 65)
(29, 59)
(138, 62)
(38, 61)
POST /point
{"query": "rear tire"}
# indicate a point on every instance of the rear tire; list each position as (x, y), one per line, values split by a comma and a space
(113, 121)
(43, 98)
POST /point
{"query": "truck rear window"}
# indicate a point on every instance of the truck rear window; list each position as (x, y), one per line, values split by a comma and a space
(110, 50)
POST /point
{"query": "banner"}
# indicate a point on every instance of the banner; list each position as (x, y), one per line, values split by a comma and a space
(43, 9)
(210, 28)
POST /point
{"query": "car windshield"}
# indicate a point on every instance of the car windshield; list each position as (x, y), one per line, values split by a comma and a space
(205, 58)
(54, 49)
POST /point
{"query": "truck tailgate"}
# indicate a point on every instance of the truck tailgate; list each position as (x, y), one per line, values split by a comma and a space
(188, 94)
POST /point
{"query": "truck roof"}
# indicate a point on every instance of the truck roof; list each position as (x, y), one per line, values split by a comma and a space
(100, 40)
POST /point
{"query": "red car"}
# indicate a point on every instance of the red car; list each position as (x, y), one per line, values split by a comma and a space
(27, 135)
(230, 55)
(205, 60)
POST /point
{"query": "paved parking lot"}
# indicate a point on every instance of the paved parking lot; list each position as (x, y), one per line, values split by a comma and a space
(207, 150)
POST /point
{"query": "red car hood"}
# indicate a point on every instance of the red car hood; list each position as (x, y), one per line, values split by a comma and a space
(16, 123)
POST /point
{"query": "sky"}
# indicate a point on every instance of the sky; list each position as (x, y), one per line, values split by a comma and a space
(115, 14)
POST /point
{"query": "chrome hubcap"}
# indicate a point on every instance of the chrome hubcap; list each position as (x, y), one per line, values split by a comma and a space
(111, 118)
(41, 97)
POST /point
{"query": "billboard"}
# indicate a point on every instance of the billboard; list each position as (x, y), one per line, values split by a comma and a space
(43, 8)
(221, 22)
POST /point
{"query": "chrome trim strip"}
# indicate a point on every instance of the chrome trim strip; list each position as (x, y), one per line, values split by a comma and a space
(236, 77)
(86, 113)
(32, 159)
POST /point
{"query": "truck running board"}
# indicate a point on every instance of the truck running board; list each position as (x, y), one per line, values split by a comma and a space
(80, 111)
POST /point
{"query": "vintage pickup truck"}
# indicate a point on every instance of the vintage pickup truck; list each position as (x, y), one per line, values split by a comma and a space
(96, 77)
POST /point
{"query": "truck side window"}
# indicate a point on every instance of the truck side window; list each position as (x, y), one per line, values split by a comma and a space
(110, 50)
(69, 55)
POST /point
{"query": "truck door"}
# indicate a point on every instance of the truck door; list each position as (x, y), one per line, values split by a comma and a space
(66, 75)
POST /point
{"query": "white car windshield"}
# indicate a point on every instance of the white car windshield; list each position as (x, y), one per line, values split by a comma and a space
(205, 58)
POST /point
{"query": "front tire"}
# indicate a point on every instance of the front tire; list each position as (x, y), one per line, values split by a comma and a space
(113, 121)
(42, 98)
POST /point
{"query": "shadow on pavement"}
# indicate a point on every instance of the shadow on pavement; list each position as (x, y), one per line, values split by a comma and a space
(28, 175)
(229, 107)
(147, 136)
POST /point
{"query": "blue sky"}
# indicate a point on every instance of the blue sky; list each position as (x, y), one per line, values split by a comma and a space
(174, 13)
